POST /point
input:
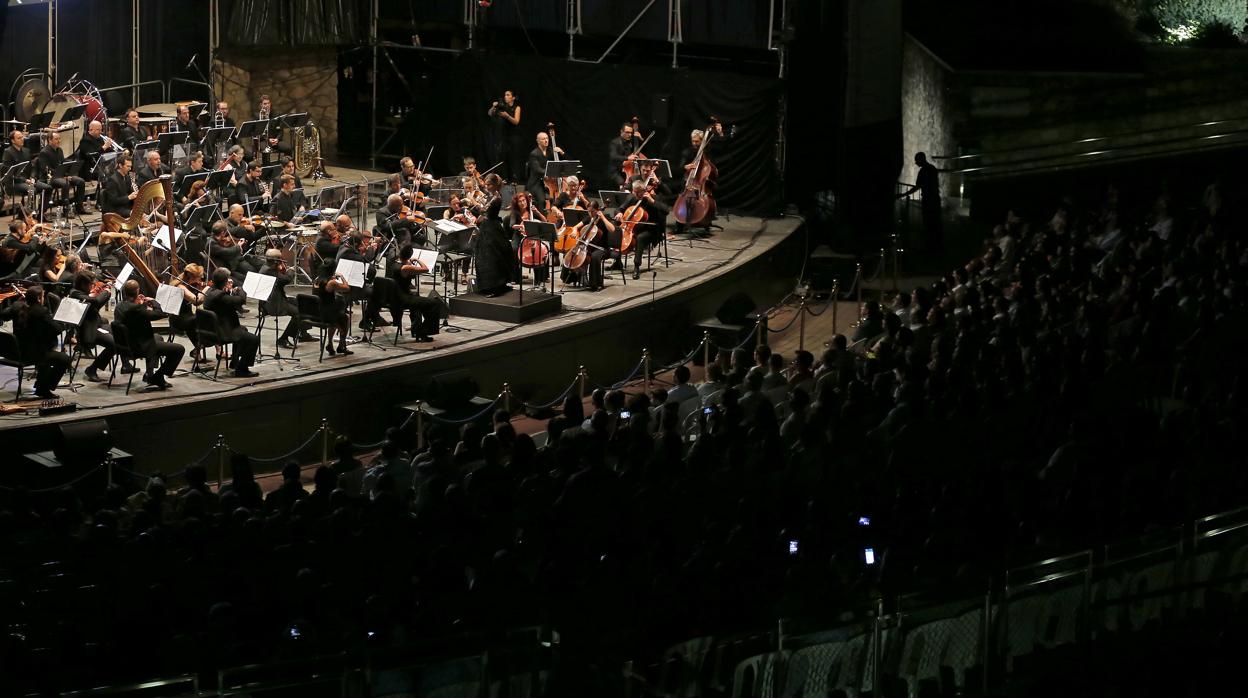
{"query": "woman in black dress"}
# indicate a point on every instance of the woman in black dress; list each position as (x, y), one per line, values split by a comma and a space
(330, 287)
(505, 116)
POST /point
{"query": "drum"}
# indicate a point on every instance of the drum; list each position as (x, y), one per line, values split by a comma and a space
(309, 260)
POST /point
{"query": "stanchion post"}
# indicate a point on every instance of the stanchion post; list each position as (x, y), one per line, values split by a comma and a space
(108, 466)
(836, 292)
(582, 379)
(645, 366)
(762, 330)
(506, 397)
(801, 325)
(220, 461)
(420, 427)
(858, 283)
(706, 349)
(324, 441)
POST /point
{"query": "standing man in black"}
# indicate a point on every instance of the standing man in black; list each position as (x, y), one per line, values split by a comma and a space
(649, 232)
(224, 300)
(618, 151)
(137, 319)
(71, 187)
(36, 337)
(927, 183)
(538, 158)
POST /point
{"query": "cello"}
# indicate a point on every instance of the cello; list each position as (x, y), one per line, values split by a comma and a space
(695, 205)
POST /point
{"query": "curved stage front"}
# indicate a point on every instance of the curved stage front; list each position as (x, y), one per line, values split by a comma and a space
(604, 331)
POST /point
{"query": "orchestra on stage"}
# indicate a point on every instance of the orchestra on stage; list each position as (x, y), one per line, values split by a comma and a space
(194, 200)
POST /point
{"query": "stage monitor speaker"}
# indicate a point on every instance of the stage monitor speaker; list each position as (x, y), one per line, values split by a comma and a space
(83, 443)
(660, 111)
(452, 389)
(735, 309)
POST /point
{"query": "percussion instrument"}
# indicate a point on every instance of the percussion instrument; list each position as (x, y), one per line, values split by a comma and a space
(32, 97)
(164, 110)
(62, 102)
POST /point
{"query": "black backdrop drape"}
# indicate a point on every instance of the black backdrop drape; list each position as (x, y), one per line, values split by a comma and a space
(588, 103)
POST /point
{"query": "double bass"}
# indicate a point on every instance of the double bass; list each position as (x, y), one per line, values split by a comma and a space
(696, 205)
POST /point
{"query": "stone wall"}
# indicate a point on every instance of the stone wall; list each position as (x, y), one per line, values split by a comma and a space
(927, 112)
(296, 80)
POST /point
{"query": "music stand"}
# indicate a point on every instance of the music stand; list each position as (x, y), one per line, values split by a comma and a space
(171, 138)
(219, 179)
(213, 135)
(662, 168)
(195, 109)
(270, 172)
(199, 217)
(105, 165)
(298, 120)
(562, 168)
(141, 148)
(545, 232)
(574, 216)
(612, 199)
(184, 187)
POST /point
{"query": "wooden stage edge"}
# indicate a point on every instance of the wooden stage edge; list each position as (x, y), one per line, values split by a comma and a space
(359, 396)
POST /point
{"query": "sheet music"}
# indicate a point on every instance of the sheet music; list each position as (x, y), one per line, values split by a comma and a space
(70, 311)
(447, 225)
(259, 286)
(426, 257)
(162, 237)
(169, 298)
(352, 271)
(123, 276)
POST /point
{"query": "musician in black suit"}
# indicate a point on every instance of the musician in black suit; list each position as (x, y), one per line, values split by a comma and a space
(402, 230)
(287, 202)
(649, 233)
(152, 169)
(226, 252)
(225, 300)
(288, 168)
(223, 108)
(194, 165)
(618, 152)
(120, 189)
(89, 334)
(15, 251)
(137, 318)
(15, 153)
(184, 122)
(36, 339)
(46, 164)
(131, 132)
(92, 145)
(248, 186)
(538, 157)
(278, 303)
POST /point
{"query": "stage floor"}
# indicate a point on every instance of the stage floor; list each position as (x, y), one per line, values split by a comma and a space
(742, 242)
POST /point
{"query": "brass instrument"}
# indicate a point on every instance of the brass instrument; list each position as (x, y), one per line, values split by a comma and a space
(307, 150)
(218, 119)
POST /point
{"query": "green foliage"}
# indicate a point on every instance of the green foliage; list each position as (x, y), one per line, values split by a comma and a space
(1216, 35)
(1176, 14)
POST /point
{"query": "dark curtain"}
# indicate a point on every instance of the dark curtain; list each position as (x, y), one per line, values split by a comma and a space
(738, 23)
(24, 43)
(589, 102)
(295, 22)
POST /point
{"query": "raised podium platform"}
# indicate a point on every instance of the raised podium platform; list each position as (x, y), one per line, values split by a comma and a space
(507, 307)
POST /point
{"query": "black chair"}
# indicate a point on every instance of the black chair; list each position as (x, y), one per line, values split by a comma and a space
(121, 338)
(208, 334)
(261, 321)
(310, 313)
(11, 355)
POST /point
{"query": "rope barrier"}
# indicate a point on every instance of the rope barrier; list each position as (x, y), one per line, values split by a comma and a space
(557, 400)
(787, 326)
(631, 375)
(71, 483)
(284, 456)
(484, 411)
(828, 304)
